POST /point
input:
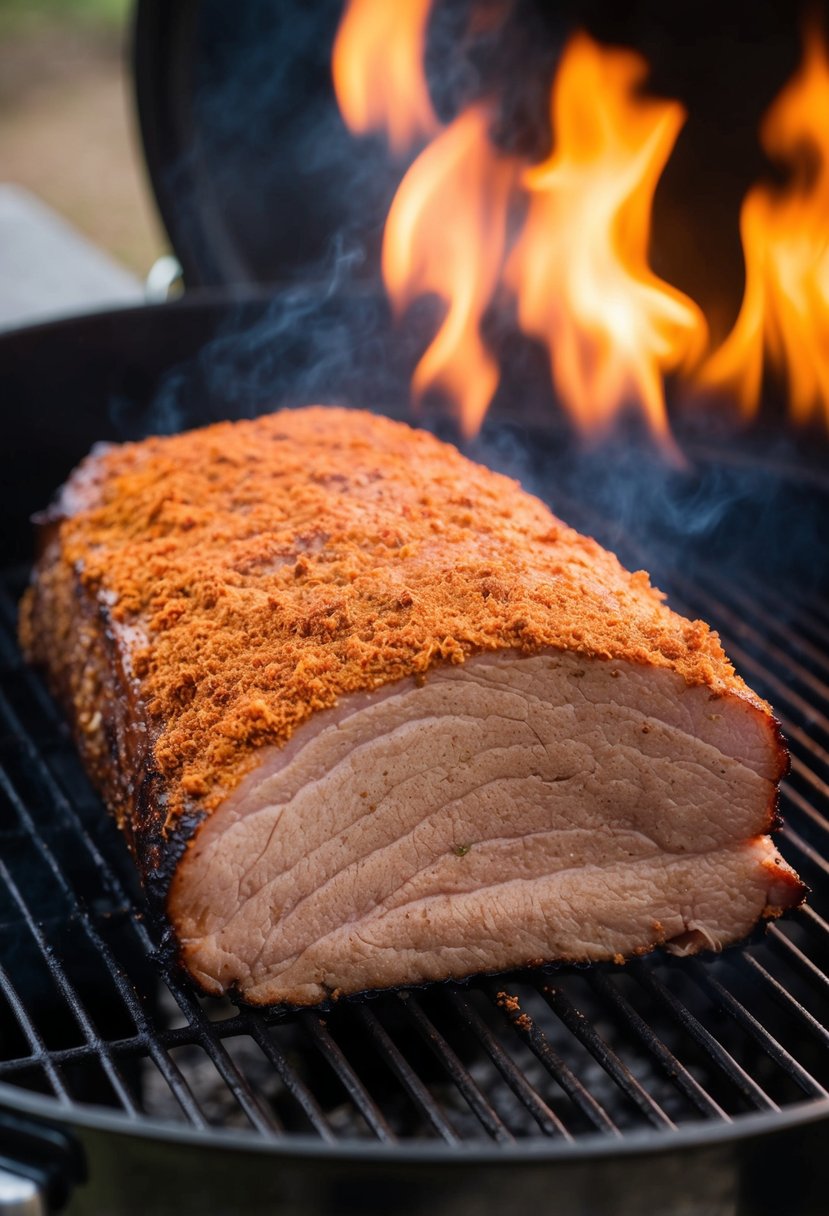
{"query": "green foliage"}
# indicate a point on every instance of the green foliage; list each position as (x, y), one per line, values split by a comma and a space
(24, 15)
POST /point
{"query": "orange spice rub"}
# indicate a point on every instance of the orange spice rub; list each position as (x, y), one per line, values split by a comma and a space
(268, 567)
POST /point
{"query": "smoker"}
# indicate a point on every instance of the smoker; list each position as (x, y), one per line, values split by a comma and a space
(692, 1087)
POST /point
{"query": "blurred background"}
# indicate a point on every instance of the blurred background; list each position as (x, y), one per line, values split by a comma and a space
(67, 130)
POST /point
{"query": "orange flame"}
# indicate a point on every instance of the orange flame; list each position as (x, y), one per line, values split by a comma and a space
(785, 233)
(445, 233)
(580, 268)
(377, 65)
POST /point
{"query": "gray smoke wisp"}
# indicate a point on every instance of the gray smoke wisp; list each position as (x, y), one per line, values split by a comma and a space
(758, 513)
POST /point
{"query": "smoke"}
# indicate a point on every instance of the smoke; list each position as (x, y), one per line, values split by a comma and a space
(301, 347)
(734, 508)
(266, 184)
(272, 188)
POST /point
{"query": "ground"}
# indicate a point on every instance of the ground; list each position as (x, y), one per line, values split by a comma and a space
(67, 126)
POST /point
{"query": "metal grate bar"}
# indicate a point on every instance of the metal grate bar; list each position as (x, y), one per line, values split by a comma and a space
(260, 1117)
(162, 1060)
(181, 1036)
(798, 959)
(676, 1072)
(120, 1048)
(40, 1053)
(741, 628)
(486, 1114)
(772, 624)
(807, 810)
(770, 1045)
(806, 1019)
(537, 1041)
(790, 609)
(815, 601)
(547, 1119)
(298, 1091)
(815, 920)
(335, 1057)
(794, 838)
(804, 773)
(69, 994)
(404, 1072)
(586, 1033)
(725, 1062)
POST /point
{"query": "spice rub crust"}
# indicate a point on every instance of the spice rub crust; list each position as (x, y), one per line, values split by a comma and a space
(263, 569)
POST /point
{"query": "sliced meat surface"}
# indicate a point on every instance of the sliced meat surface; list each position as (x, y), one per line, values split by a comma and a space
(511, 810)
(370, 715)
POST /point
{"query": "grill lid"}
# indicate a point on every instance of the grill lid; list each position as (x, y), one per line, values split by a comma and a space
(243, 140)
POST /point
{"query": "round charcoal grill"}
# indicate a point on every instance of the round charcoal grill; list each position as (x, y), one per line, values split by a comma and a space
(693, 1086)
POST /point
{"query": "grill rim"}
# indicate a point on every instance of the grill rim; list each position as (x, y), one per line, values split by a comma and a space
(591, 1145)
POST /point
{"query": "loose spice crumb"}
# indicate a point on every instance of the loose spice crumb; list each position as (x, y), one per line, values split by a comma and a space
(509, 1002)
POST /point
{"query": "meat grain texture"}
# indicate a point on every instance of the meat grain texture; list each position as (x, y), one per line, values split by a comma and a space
(369, 714)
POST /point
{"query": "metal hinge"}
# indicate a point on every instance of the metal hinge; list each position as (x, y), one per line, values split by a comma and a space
(165, 280)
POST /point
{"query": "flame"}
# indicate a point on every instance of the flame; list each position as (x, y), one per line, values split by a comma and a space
(377, 65)
(445, 233)
(580, 267)
(784, 315)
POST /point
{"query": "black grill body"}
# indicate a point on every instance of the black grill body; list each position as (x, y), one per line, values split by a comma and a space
(680, 1086)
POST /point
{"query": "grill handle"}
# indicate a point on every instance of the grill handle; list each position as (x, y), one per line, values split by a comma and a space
(39, 1166)
(21, 1196)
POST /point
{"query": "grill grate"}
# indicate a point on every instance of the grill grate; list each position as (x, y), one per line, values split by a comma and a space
(88, 1015)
